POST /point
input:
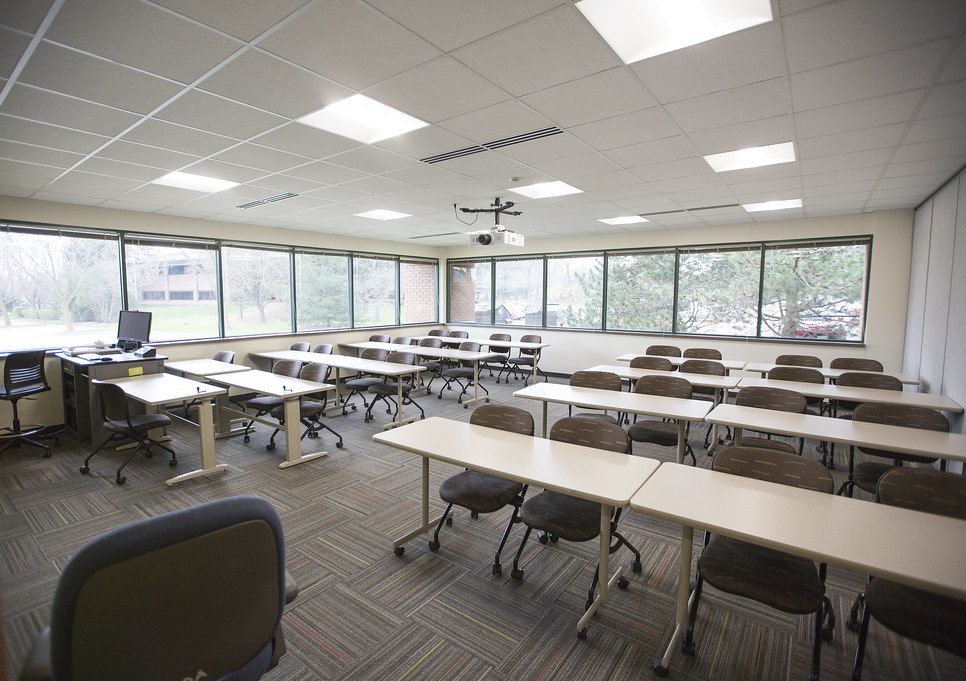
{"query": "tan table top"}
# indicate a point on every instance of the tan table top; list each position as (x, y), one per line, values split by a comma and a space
(613, 400)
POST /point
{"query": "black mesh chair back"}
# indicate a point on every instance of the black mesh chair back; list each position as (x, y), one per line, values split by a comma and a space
(323, 349)
(314, 371)
(155, 577)
(401, 358)
(652, 362)
(287, 367)
(703, 366)
(900, 415)
(856, 364)
(379, 338)
(468, 346)
(511, 419)
(777, 399)
(224, 356)
(702, 353)
(797, 373)
(431, 343)
(374, 354)
(402, 340)
(437, 332)
(663, 350)
(113, 400)
(799, 361)
(601, 380)
(773, 466)
(590, 433)
(23, 374)
(666, 386)
(458, 334)
(499, 349)
(530, 338)
(861, 379)
(301, 347)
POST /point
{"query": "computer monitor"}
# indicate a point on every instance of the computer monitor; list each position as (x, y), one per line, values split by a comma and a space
(133, 327)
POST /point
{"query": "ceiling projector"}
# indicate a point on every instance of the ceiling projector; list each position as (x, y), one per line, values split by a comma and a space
(497, 238)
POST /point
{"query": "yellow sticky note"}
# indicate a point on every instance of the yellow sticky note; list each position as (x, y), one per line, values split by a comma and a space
(135, 371)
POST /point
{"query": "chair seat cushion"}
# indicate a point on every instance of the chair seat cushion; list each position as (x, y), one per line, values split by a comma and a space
(458, 372)
(382, 388)
(306, 408)
(765, 443)
(783, 581)
(362, 384)
(867, 473)
(607, 418)
(567, 517)
(141, 423)
(521, 360)
(920, 615)
(479, 492)
(264, 403)
(655, 432)
(432, 366)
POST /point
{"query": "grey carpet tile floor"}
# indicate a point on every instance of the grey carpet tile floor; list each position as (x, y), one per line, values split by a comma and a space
(364, 613)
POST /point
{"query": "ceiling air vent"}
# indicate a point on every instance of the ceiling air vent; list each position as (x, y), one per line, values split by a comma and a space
(495, 144)
(270, 199)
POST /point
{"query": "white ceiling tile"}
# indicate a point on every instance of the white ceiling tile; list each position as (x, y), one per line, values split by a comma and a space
(603, 95)
(524, 175)
(912, 194)
(932, 180)
(890, 204)
(855, 140)
(606, 180)
(376, 184)
(842, 31)
(855, 159)
(839, 189)
(326, 173)
(938, 166)
(762, 174)
(683, 167)
(128, 171)
(496, 122)
(245, 19)
(956, 66)
(280, 183)
(924, 151)
(224, 171)
(152, 156)
(929, 129)
(12, 45)
(625, 192)
(35, 170)
(301, 139)
(425, 142)
(24, 15)
(14, 151)
(266, 82)
(562, 145)
(201, 110)
(424, 195)
(782, 184)
(371, 159)
(465, 186)
(743, 135)
(746, 103)
(436, 90)
(96, 80)
(878, 111)
(749, 56)
(945, 99)
(841, 176)
(82, 190)
(42, 134)
(478, 164)
(681, 184)
(620, 131)
(159, 133)
(555, 47)
(19, 182)
(264, 158)
(577, 166)
(698, 198)
(117, 184)
(423, 174)
(141, 35)
(883, 74)
(78, 198)
(349, 42)
(657, 151)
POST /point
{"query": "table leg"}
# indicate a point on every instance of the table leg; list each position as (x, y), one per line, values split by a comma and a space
(209, 463)
(603, 584)
(683, 600)
(293, 443)
(426, 523)
(545, 419)
(682, 439)
(737, 440)
(223, 427)
(476, 386)
(718, 392)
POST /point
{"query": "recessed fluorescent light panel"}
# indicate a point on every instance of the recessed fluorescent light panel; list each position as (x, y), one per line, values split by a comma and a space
(383, 215)
(198, 183)
(638, 29)
(362, 119)
(543, 190)
(772, 205)
(752, 157)
(625, 220)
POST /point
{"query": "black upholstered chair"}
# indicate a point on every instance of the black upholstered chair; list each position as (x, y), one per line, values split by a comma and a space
(799, 361)
(224, 356)
(323, 349)
(856, 364)
(404, 340)
(301, 346)
(123, 425)
(483, 493)
(434, 366)
(454, 338)
(938, 621)
(652, 362)
(23, 376)
(561, 516)
(196, 594)
(777, 399)
(663, 350)
(526, 358)
(503, 357)
(657, 431)
(263, 404)
(436, 332)
(788, 583)
(379, 338)
(387, 390)
(462, 374)
(702, 353)
(600, 380)
(705, 367)
(361, 384)
(311, 407)
(843, 408)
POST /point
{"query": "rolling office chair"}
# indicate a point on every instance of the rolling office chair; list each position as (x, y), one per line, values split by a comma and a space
(777, 399)
(799, 361)
(196, 593)
(502, 352)
(706, 367)
(360, 385)
(23, 376)
(600, 380)
(856, 364)
(264, 404)
(301, 347)
(404, 340)
(433, 366)
(702, 353)
(658, 431)
(311, 407)
(663, 350)
(379, 338)
(227, 356)
(483, 493)
(387, 391)
(437, 332)
(526, 358)
(123, 425)
(460, 373)
(323, 349)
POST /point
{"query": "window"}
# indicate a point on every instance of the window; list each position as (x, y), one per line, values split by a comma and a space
(574, 286)
(417, 292)
(57, 290)
(469, 292)
(322, 291)
(718, 291)
(152, 287)
(814, 291)
(256, 290)
(519, 292)
(373, 291)
(206, 295)
(640, 291)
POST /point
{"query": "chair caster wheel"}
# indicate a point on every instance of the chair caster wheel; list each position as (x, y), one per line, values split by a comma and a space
(582, 634)
(622, 583)
(173, 463)
(434, 546)
(543, 538)
(497, 569)
(84, 470)
(422, 416)
(439, 397)
(474, 515)
(637, 567)
(466, 406)
(120, 480)
(449, 521)
(353, 407)
(659, 669)
(516, 574)
(247, 439)
(270, 446)
(554, 539)
(339, 445)
(311, 435)
(399, 550)
(428, 391)
(487, 400)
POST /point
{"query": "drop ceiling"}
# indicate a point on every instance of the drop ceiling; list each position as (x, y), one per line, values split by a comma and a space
(99, 98)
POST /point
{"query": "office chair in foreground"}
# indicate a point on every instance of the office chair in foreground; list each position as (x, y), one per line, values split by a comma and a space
(194, 594)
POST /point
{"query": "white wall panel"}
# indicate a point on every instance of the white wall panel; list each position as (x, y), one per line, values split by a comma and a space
(938, 277)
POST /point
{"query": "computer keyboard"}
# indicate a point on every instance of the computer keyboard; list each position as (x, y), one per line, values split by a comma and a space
(91, 350)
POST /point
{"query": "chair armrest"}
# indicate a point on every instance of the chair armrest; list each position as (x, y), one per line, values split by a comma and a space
(37, 665)
(291, 588)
